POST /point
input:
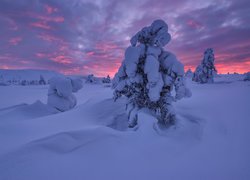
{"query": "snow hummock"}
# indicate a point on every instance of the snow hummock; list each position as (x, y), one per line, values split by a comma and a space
(60, 93)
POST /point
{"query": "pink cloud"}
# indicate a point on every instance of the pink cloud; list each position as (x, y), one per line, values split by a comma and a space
(41, 55)
(48, 37)
(4, 67)
(41, 24)
(62, 59)
(46, 18)
(194, 24)
(50, 9)
(15, 41)
(90, 53)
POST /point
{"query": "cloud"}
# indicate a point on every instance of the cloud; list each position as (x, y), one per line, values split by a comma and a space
(90, 36)
(15, 41)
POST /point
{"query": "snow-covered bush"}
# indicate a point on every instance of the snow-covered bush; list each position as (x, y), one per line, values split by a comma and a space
(24, 82)
(247, 76)
(205, 72)
(106, 79)
(91, 79)
(42, 80)
(34, 82)
(189, 73)
(60, 92)
(148, 74)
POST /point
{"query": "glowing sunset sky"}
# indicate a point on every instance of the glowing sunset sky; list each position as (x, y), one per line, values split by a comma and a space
(90, 36)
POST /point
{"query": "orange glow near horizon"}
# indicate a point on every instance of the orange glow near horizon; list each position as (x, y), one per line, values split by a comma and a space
(240, 68)
(221, 68)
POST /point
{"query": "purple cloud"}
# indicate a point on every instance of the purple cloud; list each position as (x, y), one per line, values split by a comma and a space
(90, 36)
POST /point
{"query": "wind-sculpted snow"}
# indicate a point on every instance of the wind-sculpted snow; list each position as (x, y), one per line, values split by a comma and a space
(60, 94)
(148, 74)
(67, 142)
(205, 72)
(210, 139)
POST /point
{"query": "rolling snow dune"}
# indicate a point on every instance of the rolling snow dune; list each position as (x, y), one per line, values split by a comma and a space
(91, 141)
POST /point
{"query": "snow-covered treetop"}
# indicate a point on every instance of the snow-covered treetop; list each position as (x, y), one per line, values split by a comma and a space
(205, 72)
(64, 86)
(148, 74)
(247, 76)
(208, 59)
(155, 35)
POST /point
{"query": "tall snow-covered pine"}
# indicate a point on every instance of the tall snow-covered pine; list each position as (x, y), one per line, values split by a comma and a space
(148, 74)
(205, 72)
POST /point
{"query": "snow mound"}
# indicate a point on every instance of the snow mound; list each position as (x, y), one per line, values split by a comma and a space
(25, 111)
(60, 93)
(68, 142)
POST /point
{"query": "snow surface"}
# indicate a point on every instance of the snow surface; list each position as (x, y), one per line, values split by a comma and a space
(91, 141)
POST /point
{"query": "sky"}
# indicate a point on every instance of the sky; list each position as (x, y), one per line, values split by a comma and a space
(90, 36)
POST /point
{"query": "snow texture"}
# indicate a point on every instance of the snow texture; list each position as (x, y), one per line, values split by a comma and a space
(60, 93)
(205, 72)
(210, 139)
(148, 74)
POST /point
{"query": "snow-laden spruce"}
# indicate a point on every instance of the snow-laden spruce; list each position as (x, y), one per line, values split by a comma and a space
(247, 76)
(189, 73)
(106, 79)
(148, 74)
(60, 94)
(42, 80)
(91, 79)
(205, 72)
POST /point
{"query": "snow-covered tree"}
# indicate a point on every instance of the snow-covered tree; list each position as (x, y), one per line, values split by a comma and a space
(148, 74)
(1, 79)
(24, 82)
(42, 80)
(247, 76)
(205, 72)
(91, 79)
(60, 94)
(106, 79)
(189, 73)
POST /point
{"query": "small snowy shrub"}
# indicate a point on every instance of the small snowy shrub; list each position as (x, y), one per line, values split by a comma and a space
(60, 94)
(106, 80)
(148, 74)
(91, 79)
(42, 80)
(247, 76)
(189, 73)
(24, 82)
(205, 72)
